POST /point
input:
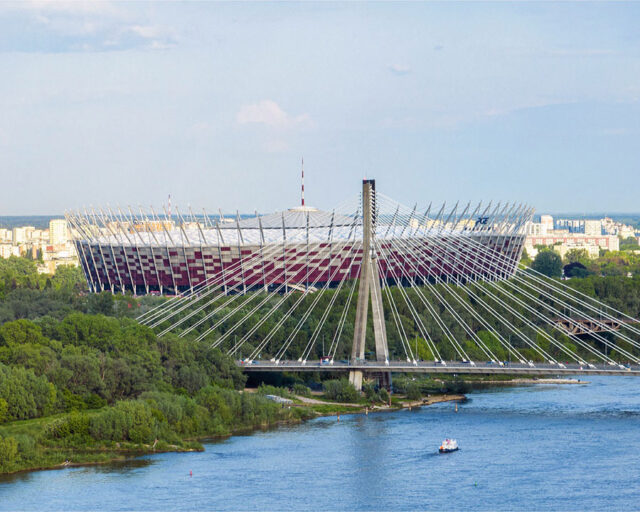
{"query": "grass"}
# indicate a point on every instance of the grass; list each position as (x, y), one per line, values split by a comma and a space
(34, 427)
(30, 427)
(326, 409)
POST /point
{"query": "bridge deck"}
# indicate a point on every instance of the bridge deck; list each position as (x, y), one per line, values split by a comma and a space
(431, 367)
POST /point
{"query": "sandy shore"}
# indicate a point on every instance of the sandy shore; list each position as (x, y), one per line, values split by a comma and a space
(405, 404)
(519, 382)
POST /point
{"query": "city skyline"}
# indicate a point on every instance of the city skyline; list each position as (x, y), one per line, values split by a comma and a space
(216, 104)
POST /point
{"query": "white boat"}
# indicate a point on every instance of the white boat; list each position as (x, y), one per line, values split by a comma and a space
(449, 445)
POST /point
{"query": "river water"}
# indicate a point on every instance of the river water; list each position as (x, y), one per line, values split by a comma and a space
(544, 447)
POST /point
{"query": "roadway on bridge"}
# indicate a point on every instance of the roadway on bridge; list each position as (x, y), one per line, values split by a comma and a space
(450, 367)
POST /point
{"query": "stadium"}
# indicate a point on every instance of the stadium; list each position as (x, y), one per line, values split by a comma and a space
(144, 252)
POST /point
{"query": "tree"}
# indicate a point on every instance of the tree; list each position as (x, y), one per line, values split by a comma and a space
(576, 256)
(8, 453)
(548, 263)
(576, 269)
(525, 259)
(69, 277)
(340, 390)
(4, 409)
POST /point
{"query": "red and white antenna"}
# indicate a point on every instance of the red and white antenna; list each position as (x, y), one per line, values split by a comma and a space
(169, 207)
(303, 182)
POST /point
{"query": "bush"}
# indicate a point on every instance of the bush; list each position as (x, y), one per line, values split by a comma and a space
(413, 390)
(4, 409)
(8, 453)
(301, 390)
(265, 389)
(127, 421)
(26, 446)
(369, 391)
(72, 424)
(94, 401)
(384, 395)
(341, 390)
(27, 395)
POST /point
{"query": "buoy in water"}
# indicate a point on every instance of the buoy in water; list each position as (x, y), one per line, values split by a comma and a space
(190, 473)
(456, 406)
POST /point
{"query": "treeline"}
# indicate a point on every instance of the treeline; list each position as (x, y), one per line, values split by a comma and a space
(80, 378)
(621, 292)
(92, 360)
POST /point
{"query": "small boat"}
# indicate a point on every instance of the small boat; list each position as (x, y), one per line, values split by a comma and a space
(448, 446)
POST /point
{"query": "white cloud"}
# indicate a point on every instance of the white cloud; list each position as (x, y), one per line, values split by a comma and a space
(399, 69)
(269, 113)
(69, 26)
(81, 7)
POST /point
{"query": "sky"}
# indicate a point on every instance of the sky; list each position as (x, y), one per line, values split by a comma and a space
(216, 104)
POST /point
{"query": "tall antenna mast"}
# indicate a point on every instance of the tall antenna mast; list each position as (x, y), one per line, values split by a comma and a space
(303, 182)
(169, 207)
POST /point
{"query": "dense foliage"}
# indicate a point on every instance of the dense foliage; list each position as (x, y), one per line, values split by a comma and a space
(549, 263)
(108, 381)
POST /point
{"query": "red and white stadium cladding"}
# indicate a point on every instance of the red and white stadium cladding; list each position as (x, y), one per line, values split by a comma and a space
(295, 248)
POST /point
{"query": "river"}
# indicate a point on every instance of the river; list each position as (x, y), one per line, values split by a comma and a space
(543, 447)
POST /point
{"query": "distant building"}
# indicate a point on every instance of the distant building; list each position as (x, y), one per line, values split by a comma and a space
(626, 232)
(533, 228)
(546, 224)
(564, 242)
(58, 232)
(569, 225)
(8, 250)
(593, 227)
(19, 236)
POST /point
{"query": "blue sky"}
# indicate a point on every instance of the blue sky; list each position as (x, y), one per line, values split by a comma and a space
(215, 103)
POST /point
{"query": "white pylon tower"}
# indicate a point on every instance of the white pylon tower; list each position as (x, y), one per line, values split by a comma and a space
(369, 287)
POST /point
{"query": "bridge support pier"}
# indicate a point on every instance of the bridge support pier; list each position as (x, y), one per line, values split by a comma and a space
(369, 289)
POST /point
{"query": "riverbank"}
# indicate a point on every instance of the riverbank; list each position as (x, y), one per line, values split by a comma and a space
(397, 403)
(60, 457)
(304, 407)
(525, 382)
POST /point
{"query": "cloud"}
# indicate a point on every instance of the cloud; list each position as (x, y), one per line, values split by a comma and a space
(399, 69)
(438, 47)
(269, 113)
(60, 27)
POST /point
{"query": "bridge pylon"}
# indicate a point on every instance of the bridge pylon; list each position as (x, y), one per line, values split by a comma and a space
(369, 289)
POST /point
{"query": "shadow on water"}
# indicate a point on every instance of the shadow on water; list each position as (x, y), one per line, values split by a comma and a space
(121, 467)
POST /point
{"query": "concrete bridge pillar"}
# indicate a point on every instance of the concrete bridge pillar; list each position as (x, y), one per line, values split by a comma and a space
(369, 289)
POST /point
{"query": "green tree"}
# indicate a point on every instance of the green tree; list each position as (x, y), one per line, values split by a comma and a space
(549, 263)
(4, 409)
(576, 255)
(413, 390)
(8, 453)
(341, 390)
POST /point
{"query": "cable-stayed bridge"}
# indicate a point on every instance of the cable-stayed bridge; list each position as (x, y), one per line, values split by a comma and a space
(370, 287)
